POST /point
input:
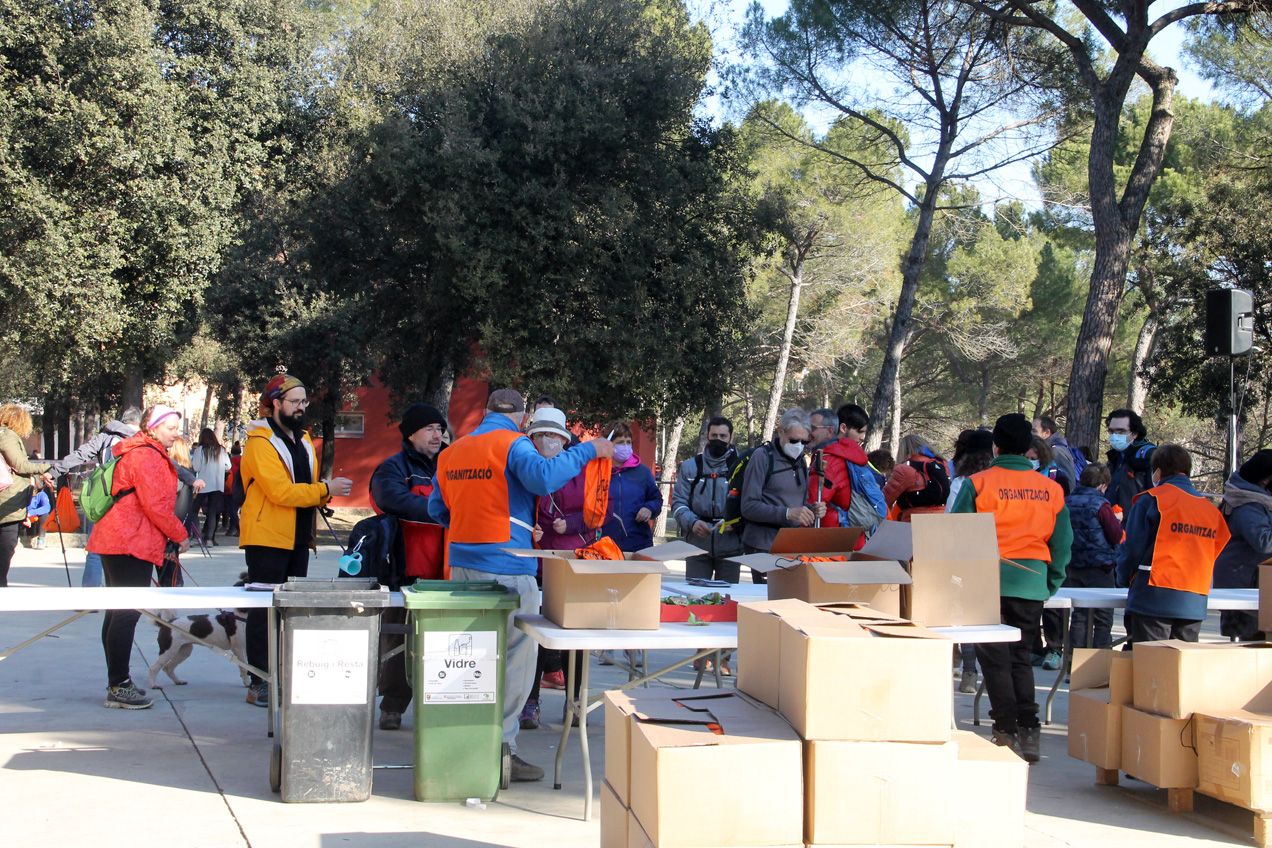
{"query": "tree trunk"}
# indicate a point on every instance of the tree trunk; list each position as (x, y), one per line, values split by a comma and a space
(207, 407)
(796, 277)
(889, 372)
(749, 408)
(1116, 222)
(894, 436)
(668, 462)
(984, 396)
(1038, 402)
(1145, 345)
(440, 397)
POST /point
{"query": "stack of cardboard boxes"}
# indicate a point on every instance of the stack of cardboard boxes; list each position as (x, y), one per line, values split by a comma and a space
(1179, 716)
(857, 748)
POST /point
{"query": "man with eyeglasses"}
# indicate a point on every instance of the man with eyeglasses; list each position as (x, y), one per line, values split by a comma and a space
(824, 425)
(1130, 459)
(698, 499)
(282, 494)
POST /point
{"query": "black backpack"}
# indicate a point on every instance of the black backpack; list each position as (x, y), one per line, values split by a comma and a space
(701, 476)
(376, 538)
(733, 521)
(936, 489)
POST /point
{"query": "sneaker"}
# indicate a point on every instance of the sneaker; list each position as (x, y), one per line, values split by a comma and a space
(38, 544)
(636, 659)
(969, 682)
(553, 680)
(126, 696)
(258, 694)
(604, 658)
(1003, 739)
(530, 716)
(1031, 744)
(390, 720)
(1051, 661)
(523, 772)
(1036, 659)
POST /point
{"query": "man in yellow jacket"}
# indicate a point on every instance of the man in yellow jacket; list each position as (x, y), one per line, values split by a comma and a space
(281, 492)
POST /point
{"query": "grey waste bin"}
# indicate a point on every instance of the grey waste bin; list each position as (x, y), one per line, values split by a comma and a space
(327, 666)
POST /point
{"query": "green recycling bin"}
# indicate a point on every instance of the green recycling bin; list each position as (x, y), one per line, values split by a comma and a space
(458, 636)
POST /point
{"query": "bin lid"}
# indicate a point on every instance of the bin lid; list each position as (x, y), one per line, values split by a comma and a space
(459, 594)
(321, 593)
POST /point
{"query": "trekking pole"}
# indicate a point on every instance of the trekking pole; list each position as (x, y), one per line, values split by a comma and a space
(61, 540)
(323, 511)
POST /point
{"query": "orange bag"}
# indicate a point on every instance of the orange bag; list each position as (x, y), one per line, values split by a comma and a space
(823, 559)
(602, 548)
(596, 485)
(63, 518)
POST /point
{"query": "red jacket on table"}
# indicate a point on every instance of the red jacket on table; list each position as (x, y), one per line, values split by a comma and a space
(141, 523)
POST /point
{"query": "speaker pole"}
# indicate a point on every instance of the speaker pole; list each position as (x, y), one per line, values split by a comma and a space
(1230, 460)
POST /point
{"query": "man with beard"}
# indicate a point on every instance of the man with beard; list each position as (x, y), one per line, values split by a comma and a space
(281, 495)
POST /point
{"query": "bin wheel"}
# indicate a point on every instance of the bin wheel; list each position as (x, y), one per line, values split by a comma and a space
(276, 768)
(505, 767)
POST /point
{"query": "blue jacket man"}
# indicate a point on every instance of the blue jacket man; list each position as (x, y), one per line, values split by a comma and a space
(487, 482)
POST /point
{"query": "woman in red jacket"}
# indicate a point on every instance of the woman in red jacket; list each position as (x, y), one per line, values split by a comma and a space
(131, 538)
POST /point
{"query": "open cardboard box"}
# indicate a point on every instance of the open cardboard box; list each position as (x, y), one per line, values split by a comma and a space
(953, 563)
(677, 745)
(1234, 758)
(599, 594)
(874, 582)
(1100, 685)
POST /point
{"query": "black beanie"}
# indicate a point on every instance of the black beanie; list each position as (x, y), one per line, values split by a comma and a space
(1257, 468)
(1013, 434)
(418, 416)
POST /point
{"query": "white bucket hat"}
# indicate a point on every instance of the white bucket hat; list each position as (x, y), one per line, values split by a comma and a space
(549, 419)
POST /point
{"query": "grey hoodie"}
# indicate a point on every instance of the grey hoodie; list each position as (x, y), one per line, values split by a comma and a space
(1248, 510)
(96, 451)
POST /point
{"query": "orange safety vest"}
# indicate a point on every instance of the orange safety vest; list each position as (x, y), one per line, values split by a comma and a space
(1190, 535)
(472, 477)
(1025, 505)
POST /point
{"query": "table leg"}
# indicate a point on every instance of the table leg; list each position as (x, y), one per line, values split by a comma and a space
(1090, 628)
(719, 655)
(584, 700)
(568, 719)
(275, 662)
(980, 690)
(1066, 650)
(8, 652)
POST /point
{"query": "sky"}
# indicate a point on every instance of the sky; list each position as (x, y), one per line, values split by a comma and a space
(724, 17)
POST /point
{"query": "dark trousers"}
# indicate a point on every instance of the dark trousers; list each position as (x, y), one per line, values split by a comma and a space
(395, 691)
(707, 567)
(8, 544)
(211, 504)
(1008, 670)
(1146, 628)
(268, 565)
(756, 577)
(1090, 578)
(119, 626)
(550, 660)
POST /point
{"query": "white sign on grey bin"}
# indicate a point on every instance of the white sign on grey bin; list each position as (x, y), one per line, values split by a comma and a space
(329, 666)
(461, 667)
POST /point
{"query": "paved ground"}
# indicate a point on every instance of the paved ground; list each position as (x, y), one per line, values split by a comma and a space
(193, 770)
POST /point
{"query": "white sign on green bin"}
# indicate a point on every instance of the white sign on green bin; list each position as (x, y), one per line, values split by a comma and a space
(329, 666)
(461, 667)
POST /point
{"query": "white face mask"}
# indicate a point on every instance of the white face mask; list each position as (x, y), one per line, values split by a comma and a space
(548, 446)
(793, 449)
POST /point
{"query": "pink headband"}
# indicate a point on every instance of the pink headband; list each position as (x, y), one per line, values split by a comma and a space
(160, 412)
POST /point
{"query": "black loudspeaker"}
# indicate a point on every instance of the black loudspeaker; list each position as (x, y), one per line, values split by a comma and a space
(1229, 322)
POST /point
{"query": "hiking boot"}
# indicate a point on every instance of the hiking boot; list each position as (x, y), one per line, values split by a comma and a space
(969, 682)
(1031, 744)
(126, 696)
(390, 720)
(523, 772)
(1051, 661)
(1003, 739)
(553, 680)
(258, 694)
(530, 716)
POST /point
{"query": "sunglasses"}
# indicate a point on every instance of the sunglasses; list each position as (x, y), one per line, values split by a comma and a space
(798, 441)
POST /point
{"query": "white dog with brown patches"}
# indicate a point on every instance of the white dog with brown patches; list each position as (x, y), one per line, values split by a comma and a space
(226, 630)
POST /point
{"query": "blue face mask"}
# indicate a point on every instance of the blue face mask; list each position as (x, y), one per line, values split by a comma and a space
(622, 453)
(1035, 463)
(1119, 441)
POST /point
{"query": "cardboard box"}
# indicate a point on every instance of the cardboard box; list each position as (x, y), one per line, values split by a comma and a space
(1177, 679)
(759, 623)
(620, 706)
(876, 583)
(682, 744)
(1096, 668)
(1234, 758)
(870, 793)
(985, 770)
(1158, 750)
(636, 835)
(844, 680)
(954, 567)
(598, 594)
(613, 819)
(1095, 728)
